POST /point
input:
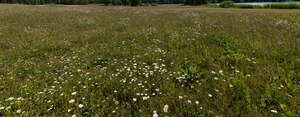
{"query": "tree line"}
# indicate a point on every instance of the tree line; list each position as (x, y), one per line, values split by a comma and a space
(219, 1)
(127, 2)
(35, 2)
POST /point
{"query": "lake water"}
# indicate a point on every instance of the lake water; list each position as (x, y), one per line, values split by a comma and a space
(263, 3)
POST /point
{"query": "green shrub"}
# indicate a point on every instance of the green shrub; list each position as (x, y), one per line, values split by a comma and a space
(107, 2)
(188, 2)
(82, 2)
(144, 4)
(135, 2)
(226, 4)
(153, 4)
(247, 6)
(282, 6)
(116, 2)
(34, 2)
(125, 2)
(195, 2)
(258, 6)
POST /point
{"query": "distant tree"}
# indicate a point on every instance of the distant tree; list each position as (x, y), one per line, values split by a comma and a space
(81, 2)
(226, 4)
(67, 1)
(12, 1)
(188, 2)
(106, 2)
(116, 2)
(195, 2)
(125, 2)
(135, 2)
(95, 1)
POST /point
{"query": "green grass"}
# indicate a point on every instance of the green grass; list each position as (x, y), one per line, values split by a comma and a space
(131, 61)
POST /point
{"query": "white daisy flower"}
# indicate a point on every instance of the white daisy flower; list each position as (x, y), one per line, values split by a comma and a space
(80, 105)
(274, 111)
(166, 107)
(71, 101)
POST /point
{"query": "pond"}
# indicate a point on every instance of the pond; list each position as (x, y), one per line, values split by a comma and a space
(264, 3)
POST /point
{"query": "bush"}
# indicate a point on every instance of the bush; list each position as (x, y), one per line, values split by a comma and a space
(195, 2)
(282, 6)
(135, 2)
(226, 4)
(247, 6)
(125, 2)
(106, 2)
(153, 4)
(188, 2)
(82, 2)
(34, 2)
(116, 2)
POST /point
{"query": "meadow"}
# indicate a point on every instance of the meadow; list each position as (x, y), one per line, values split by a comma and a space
(113, 61)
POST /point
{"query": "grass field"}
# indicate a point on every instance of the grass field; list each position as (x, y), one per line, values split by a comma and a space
(135, 61)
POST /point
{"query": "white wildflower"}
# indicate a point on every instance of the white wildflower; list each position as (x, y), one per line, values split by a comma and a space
(74, 93)
(155, 114)
(274, 111)
(7, 108)
(166, 107)
(10, 98)
(71, 101)
(80, 105)
(19, 111)
(197, 102)
(157, 90)
(20, 98)
(146, 98)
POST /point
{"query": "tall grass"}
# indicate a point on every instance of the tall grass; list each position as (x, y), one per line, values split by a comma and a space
(142, 61)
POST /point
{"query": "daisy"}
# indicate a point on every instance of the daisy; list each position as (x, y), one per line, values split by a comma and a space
(166, 107)
(71, 101)
(80, 105)
(155, 114)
